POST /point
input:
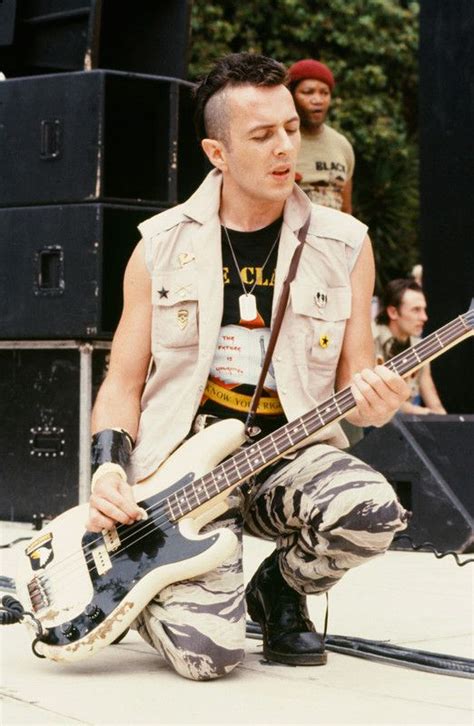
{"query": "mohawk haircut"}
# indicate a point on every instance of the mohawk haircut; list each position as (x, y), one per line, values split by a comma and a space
(237, 69)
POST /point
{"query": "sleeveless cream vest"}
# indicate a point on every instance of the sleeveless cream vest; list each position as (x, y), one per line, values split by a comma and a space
(183, 255)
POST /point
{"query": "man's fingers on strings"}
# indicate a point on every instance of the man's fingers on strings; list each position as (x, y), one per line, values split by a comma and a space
(97, 521)
(120, 494)
(393, 381)
(112, 510)
(379, 390)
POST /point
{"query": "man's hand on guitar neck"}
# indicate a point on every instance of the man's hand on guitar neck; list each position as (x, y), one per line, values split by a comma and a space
(379, 393)
(112, 502)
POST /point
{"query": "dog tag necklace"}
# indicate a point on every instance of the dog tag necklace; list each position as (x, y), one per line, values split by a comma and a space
(247, 301)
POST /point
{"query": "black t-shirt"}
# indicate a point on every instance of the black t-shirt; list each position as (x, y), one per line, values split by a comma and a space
(242, 344)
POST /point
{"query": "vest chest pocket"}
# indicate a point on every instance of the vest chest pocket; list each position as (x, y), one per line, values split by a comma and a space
(175, 309)
(320, 315)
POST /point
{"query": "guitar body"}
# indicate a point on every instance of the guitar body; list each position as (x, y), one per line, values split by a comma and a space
(86, 588)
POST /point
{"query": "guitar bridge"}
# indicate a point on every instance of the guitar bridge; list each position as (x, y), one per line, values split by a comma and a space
(39, 592)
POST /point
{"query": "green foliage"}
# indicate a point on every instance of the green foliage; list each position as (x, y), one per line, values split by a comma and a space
(371, 47)
(387, 200)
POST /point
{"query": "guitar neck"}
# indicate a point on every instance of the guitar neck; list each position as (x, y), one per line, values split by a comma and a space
(256, 457)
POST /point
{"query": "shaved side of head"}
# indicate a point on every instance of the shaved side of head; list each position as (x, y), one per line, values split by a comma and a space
(217, 117)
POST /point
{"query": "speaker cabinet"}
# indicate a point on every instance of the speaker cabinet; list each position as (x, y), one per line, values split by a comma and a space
(7, 23)
(446, 121)
(101, 135)
(50, 36)
(429, 460)
(46, 392)
(61, 269)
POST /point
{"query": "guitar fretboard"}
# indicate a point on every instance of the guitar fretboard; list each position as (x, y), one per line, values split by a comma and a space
(252, 459)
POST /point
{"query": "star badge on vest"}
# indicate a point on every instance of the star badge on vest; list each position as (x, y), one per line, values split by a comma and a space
(183, 317)
(324, 340)
(320, 298)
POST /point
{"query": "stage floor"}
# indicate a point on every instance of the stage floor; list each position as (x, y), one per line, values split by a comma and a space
(405, 598)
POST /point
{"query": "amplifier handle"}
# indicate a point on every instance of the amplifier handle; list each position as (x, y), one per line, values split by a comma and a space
(51, 137)
(50, 271)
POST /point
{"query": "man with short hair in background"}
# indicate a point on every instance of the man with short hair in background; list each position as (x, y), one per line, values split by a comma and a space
(399, 325)
(326, 159)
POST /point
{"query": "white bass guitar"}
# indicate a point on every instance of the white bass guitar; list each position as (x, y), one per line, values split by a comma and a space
(84, 589)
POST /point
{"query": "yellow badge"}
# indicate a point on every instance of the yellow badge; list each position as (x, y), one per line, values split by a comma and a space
(182, 319)
(324, 341)
(185, 257)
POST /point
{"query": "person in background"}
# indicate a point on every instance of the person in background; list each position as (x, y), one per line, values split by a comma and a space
(325, 165)
(399, 325)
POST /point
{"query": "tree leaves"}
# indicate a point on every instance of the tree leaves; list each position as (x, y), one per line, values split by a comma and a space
(371, 47)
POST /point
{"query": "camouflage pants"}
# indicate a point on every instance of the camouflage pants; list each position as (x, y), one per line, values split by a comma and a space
(326, 511)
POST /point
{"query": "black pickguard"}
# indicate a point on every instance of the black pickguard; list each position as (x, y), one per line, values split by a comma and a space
(147, 545)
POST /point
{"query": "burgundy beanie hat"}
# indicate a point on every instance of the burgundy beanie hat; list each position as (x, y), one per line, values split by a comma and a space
(309, 68)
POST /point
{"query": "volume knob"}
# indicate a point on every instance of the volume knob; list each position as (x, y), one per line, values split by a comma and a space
(69, 631)
(93, 611)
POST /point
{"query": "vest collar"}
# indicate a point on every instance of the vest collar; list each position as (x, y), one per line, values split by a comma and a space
(205, 203)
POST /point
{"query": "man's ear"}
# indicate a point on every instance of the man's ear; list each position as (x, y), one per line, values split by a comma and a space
(392, 312)
(215, 152)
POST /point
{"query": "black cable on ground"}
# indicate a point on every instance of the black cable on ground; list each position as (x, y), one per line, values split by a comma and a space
(449, 665)
(11, 611)
(429, 546)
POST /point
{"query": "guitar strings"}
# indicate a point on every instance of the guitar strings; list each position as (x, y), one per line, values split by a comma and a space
(142, 528)
(345, 397)
(262, 449)
(146, 527)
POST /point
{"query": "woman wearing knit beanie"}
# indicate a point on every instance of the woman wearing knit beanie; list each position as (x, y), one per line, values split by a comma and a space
(326, 160)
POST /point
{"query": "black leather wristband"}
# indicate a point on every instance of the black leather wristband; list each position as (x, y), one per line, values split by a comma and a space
(110, 445)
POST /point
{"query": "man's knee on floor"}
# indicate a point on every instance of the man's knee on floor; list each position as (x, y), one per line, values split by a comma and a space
(206, 667)
(191, 653)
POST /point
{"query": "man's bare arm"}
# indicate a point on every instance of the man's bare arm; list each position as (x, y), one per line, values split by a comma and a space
(118, 401)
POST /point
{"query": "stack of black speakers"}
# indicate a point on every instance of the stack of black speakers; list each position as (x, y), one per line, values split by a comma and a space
(96, 135)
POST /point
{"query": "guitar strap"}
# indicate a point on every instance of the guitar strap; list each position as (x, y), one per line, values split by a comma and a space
(276, 325)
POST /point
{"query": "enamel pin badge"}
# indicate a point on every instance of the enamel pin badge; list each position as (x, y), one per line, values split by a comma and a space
(183, 317)
(185, 257)
(320, 298)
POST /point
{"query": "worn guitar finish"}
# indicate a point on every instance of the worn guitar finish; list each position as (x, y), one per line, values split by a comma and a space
(86, 588)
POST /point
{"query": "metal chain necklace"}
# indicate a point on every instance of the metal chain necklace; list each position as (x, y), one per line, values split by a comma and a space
(247, 301)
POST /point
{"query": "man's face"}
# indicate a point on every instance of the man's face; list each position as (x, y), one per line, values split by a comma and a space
(409, 318)
(312, 101)
(263, 143)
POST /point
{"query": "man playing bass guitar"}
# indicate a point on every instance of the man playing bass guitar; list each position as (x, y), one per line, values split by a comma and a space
(200, 290)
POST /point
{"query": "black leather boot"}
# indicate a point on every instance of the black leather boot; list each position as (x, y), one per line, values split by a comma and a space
(289, 636)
